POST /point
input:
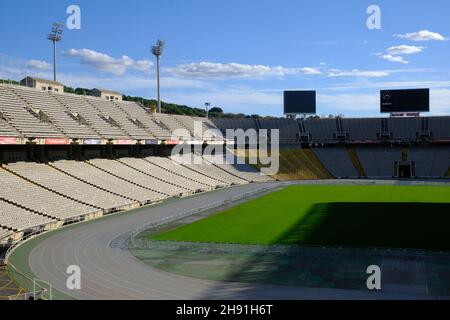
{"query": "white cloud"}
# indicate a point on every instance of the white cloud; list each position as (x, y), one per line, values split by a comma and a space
(392, 58)
(360, 85)
(132, 84)
(236, 70)
(404, 49)
(143, 65)
(311, 71)
(39, 65)
(440, 101)
(423, 35)
(105, 63)
(358, 73)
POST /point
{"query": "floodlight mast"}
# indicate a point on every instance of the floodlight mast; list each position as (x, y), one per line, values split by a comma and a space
(157, 51)
(207, 106)
(55, 36)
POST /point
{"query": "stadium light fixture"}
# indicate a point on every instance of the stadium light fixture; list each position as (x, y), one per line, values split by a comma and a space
(55, 36)
(157, 51)
(207, 106)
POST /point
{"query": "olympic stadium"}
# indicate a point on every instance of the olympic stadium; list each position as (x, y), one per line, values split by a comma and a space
(109, 196)
(89, 182)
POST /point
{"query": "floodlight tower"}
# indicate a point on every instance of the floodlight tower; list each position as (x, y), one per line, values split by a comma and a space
(207, 106)
(157, 51)
(55, 36)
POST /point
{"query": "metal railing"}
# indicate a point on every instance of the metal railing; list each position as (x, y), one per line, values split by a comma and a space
(17, 243)
(126, 240)
(29, 236)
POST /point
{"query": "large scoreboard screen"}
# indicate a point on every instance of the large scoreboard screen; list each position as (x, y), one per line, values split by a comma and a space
(300, 102)
(409, 100)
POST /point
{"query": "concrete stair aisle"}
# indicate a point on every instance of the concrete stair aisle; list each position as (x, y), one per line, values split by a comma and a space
(288, 170)
(356, 162)
(300, 164)
(405, 154)
(317, 166)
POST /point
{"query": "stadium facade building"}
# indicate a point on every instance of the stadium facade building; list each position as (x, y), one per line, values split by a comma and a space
(42, 84)
(107, 94)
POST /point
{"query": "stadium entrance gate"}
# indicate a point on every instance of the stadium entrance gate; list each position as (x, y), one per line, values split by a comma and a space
(405, 170)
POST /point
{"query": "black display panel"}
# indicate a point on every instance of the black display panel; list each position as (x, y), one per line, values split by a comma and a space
(409, 100)
(300, 102)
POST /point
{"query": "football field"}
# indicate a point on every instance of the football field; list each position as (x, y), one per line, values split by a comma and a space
(413, 217)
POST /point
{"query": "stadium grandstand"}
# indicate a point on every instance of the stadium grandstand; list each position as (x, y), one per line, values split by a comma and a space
(286, 151)
(83, 157)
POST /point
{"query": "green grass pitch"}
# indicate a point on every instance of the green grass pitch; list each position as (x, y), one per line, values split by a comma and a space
(354, 216)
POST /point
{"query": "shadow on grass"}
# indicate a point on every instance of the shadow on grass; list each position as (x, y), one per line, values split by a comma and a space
(362, 225)
(391, 225)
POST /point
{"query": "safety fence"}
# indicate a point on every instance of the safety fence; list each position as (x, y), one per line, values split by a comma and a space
(127, 240)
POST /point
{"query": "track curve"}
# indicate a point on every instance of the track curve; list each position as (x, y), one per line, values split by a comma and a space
(113, 273)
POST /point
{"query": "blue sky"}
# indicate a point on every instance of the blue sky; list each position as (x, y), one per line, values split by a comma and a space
(239, 55)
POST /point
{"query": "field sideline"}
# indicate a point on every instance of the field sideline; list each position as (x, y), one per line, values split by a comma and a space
(416, 217)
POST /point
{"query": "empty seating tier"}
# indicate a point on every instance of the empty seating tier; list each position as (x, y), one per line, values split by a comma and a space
(176, 168)
(210, 127)
(157, 187)
(203, 166)
(123, 120)
(288, 129)
(242, 123)
(189, 124)
(102, 179)
(93, 117)
(379, 162)
(337, 161)
(404, 129)
(60, 182)
(430, 162)
(169, 121)
(40, 200)
(153, 170)
(362, 129)
(244, 171)
(439, 127)
(6, 130)
(15, 218)
(321, 129)
(145, 117)
(57, 114)
(20, 118)
(31, 113)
